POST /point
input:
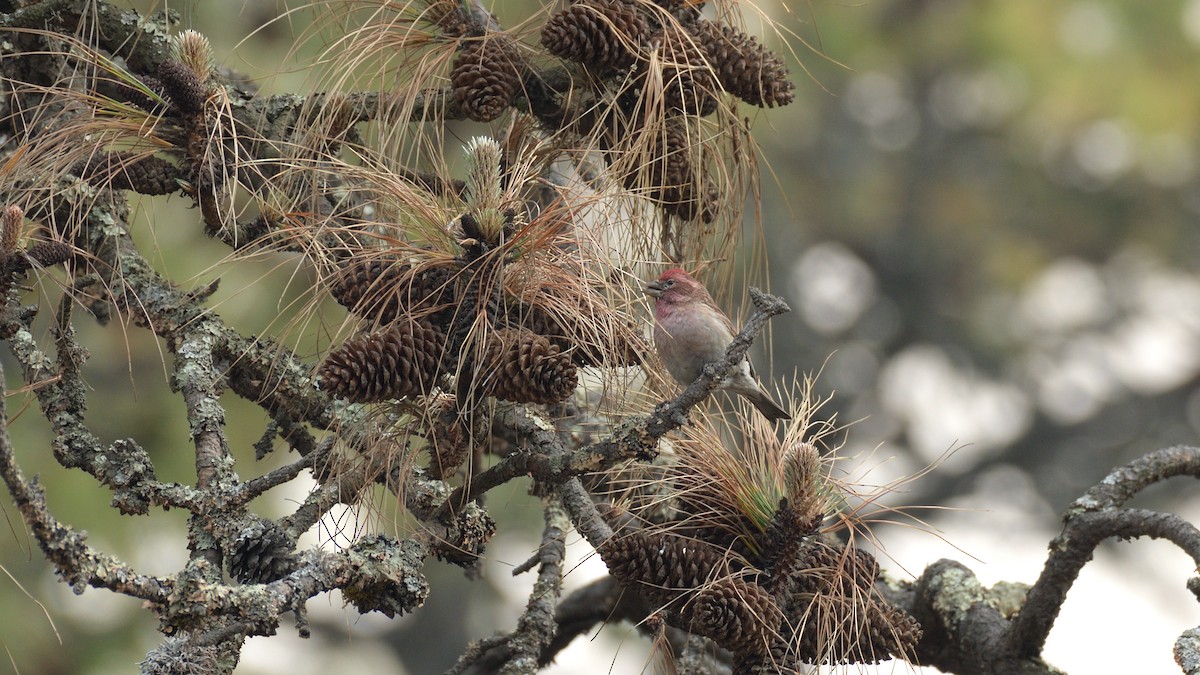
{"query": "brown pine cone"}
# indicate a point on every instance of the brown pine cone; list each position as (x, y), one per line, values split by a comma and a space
(570, 338)
(687, 203)
(834, 586)
(522, 367)
(834, 568)
(661, 565)
(149, 176)
(128, 92)
(382, 289)
(739, 615)
(853, 630)
(745, 68)
(486, 77)
(449, 16)
(43, 254)
(670, 163)
(601, 34)
(131, 171)
(891, 633)
(49, 253)
(789, 542)
(186, 89)
(689, 84)
(401, 361)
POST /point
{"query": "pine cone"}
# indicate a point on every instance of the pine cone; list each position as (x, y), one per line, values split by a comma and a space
(744, 67)
(401, 361)
(522, 367)
(448, 449)
(689, 84)
(891, 632)
(789, 542)
(739, 615)
(853, 630)
(486, 77)
(662, 566)
(449, 16)
(131, 171)
(833, 586)
(672, 163)
(570, 338)
(780, 658)
(689, 204)
(601, 34)
(262, 553)
(49, 253)
(148, 176)
(382, 289)
(186, 89)
(802, 565)
(129, 93)
(44, 254)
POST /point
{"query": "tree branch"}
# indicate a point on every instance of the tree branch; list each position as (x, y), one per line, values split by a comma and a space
(76, 562)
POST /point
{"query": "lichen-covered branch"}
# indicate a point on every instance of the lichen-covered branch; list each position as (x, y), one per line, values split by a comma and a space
(75, 561)
(969, 628)
(1098, 516)
(520, 651)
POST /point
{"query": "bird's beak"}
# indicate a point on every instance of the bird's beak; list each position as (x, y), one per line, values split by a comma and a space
(654, 289)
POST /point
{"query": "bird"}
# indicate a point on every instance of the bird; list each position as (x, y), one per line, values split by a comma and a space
(690, 331)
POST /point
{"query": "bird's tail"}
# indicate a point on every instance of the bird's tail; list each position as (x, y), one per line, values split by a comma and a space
(768, 407)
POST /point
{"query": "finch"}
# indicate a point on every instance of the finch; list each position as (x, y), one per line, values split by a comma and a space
(691, 331)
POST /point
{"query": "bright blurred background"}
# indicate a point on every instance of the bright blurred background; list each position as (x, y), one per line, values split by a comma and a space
(984, 215)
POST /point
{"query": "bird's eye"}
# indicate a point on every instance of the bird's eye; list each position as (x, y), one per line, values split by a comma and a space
(670, 282)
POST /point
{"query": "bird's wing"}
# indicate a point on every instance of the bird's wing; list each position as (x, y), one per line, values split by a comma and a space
(713, 308)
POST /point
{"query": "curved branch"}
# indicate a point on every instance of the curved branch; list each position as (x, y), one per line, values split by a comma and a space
(1122, 484)
(1073, 549)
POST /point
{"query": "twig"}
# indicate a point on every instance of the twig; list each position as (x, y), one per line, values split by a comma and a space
(483, 655)
(519, 651)
(586, 518)
(256, 486)
(1123, 483)
(536, 627)
(1094, 518)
